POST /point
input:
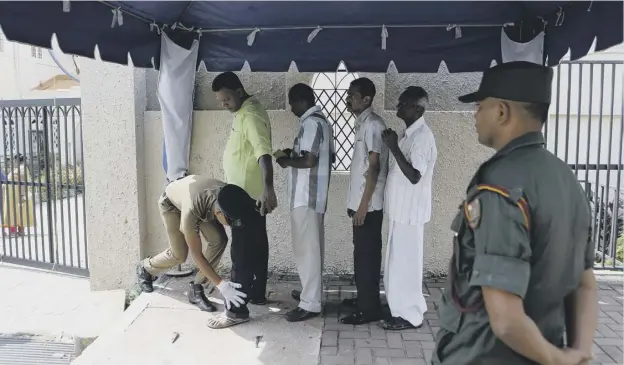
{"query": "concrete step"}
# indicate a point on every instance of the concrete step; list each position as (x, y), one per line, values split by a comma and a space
(144, 333)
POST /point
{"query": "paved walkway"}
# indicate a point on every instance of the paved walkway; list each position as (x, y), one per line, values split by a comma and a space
(370, 345)
(44, 303)
(67, 301)
(45, 316)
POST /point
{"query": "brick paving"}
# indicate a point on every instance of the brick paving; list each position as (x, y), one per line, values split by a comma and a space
(370, 345)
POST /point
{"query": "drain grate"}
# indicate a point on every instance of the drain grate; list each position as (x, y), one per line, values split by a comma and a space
(34, 351)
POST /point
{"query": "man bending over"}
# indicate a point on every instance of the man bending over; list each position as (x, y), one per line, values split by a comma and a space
(196, 204)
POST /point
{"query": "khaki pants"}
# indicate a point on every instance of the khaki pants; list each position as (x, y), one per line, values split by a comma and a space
(176, 254)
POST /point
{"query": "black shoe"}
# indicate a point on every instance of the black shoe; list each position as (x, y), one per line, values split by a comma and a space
(296, 295)
(396, 324)
(298, 315)
(359, 318)
(145, 279)
(258, 301)
(197, 297)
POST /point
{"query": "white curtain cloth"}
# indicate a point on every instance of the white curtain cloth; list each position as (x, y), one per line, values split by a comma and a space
(531, 51)
(176, 82)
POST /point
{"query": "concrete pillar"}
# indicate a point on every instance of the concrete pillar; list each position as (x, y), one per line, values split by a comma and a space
(113, 107)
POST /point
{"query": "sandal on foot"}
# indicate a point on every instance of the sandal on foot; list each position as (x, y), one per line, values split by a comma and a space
(221, 321)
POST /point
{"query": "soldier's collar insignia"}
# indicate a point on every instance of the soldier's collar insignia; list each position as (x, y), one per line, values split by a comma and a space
(473, 213)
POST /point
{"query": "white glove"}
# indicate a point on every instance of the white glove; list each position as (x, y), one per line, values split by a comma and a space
(230, 294)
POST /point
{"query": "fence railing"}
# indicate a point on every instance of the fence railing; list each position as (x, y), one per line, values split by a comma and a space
(607, 209)
(587, 133)
(43, 215)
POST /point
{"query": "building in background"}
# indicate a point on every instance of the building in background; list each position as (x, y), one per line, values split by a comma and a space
(30, 72)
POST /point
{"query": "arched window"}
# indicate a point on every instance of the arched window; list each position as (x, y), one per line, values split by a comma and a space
(330, 89)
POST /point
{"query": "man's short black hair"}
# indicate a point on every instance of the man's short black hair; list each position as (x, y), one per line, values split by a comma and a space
(235, 204)
(539, 111)
(302, 92)
(364, 86)
(415, 93)
(226, 80)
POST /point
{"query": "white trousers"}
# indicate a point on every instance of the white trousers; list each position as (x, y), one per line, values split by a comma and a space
(308, 242)
(403, 274)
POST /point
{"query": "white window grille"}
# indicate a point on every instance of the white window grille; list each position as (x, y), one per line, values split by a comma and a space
(331, 89)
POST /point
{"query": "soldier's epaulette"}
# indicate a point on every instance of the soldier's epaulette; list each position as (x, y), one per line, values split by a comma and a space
(515, 196)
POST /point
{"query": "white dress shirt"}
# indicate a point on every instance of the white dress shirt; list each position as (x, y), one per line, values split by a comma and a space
(368, 128)
(409, 203)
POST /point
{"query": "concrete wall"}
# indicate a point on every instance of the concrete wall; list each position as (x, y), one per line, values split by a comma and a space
(113, 107)
(124, 177)
(123, 167)
(452, 124)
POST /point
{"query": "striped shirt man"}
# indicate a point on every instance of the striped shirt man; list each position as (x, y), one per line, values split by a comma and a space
(309, 166)
(309, 187)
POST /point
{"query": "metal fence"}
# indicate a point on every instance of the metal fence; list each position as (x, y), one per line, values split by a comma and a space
(587, 133)
(43, 207)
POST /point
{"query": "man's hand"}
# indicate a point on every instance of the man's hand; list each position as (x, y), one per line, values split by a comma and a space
(268, 201)
(390, 138)
(359, 216)
(282, 161)
(288, 151)
(230, 294)
(570, 356)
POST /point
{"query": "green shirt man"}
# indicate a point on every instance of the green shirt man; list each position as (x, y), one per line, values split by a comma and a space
(521, 273)
(250, 139)
(248, 163)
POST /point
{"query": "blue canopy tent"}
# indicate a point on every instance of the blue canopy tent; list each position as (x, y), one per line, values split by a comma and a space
(316, 35)
(420, 35)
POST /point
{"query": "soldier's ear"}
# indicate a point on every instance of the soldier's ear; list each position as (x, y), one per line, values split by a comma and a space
(504, 112)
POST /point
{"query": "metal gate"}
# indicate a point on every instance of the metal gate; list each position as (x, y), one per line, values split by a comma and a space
(42, 201)
(586, 131)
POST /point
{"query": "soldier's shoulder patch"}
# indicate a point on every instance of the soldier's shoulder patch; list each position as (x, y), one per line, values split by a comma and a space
(473, 213)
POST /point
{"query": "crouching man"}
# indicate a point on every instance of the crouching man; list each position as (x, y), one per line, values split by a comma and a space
(196, 204)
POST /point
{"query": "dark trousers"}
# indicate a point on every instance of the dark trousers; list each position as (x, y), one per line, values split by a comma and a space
(250, 259)
(367, 262)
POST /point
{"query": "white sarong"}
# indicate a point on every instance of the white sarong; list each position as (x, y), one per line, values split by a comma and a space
(403, 274)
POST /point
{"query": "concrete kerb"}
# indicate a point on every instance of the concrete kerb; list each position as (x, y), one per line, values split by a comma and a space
(110, 334)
